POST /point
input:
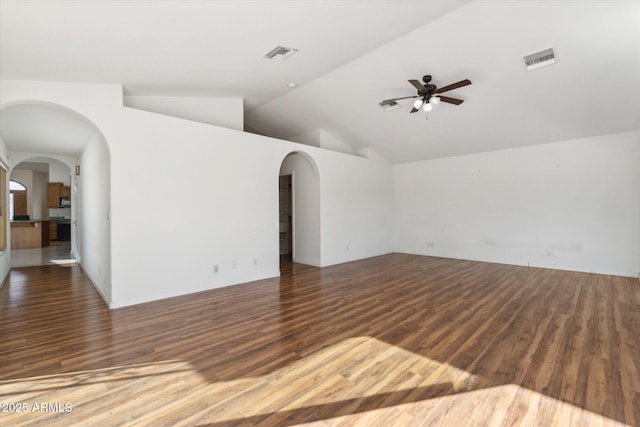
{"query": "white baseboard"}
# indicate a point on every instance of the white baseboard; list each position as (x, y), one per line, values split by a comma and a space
(181, 292)
(548, 267)
(95, 285)
(357, 258)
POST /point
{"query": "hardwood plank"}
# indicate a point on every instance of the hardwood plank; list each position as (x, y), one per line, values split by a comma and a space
(391, 340)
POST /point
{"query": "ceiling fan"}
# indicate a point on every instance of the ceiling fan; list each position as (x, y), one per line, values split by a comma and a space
(429, 94)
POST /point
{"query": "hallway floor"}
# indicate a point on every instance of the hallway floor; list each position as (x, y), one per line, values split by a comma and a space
(55, 253)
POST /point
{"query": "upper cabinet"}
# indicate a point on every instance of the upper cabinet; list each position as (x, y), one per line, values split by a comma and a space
(53, 194)
(56, 190)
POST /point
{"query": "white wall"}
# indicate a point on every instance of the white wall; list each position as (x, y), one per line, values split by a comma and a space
(225, 112)
(39, 208)
(357, 207)
(59, 172)
(323, 139)
(576, 200)
(93, 205)
(311, 138)
(330, 142)
(227, 177)
(306, 208)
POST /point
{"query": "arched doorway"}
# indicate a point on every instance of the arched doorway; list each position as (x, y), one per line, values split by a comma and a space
(34, 130)
(299, 209)
(41, 213)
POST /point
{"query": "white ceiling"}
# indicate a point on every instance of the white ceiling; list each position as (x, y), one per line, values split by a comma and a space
(352, 55)
(33, 166)
(201, 48)
(41, 128)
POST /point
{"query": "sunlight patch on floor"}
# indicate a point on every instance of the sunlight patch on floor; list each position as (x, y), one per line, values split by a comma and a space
(505, 405)
(353, 368)
(359, 380)
(63, 261)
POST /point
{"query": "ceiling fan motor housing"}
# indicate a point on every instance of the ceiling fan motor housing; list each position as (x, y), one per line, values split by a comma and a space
(429, 92)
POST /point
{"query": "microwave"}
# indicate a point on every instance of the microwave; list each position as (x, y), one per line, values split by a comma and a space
(65, 202)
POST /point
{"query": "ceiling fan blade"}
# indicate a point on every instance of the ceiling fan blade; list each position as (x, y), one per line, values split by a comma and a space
(418, 86)
(450, 100)
(397, 99)
(414, 110)
(461, 83)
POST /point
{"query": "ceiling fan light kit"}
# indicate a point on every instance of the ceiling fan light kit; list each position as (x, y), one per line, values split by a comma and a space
(429, 94)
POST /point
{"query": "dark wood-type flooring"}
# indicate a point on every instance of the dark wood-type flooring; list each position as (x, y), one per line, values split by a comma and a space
(391, 340)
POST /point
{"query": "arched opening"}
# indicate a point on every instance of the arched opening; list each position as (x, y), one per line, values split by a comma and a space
(41, 133)
(40, 212)
(299, 210)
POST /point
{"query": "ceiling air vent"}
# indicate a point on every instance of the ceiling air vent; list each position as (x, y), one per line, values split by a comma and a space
(389, 105)
(540, 59)
(281, 52)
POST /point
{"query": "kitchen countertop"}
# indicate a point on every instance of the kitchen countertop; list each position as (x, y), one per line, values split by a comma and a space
(58, 220)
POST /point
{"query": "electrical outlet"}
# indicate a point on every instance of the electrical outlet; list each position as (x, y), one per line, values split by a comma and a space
(215, 268)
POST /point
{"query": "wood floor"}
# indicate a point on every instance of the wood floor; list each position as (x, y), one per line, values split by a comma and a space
(392, 340)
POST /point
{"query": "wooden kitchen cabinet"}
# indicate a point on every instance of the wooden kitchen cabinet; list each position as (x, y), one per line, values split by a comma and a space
(53, 194)
(53, 230)
(29, 234)
(56, 190)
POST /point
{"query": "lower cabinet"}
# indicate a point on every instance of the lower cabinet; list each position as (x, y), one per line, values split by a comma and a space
(53, 230)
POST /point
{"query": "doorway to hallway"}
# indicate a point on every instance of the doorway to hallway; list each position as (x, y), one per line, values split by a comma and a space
(285, 218)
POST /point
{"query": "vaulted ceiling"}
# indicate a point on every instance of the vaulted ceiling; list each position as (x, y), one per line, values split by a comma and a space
(352, 55)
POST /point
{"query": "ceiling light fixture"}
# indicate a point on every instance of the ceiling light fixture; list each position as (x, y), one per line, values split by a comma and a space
(427, 106)
(434, 100)
(418, 103)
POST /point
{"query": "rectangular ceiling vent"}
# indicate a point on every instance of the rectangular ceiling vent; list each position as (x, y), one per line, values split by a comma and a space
(281, 52)
(540, 59)
(389, 105)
